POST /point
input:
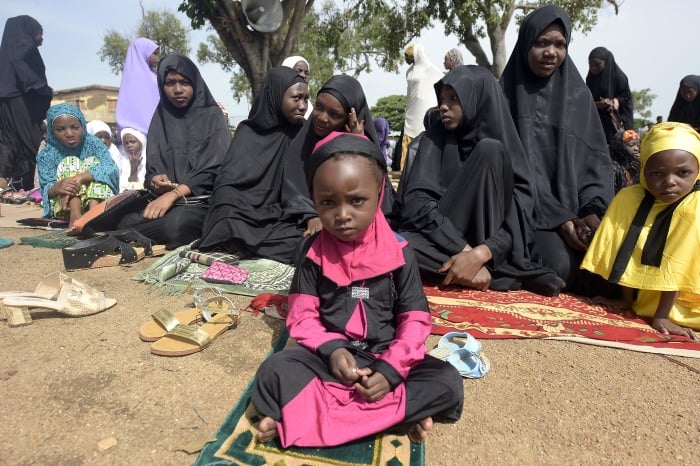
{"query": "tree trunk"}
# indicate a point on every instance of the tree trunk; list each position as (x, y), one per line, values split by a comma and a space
(471, 41)
(256, 52)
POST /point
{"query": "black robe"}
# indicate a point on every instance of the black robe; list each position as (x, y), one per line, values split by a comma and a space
(563, 139)
(255, 209)
(350, 94)
(472, 185)
(25, 97)
(611, 83)
(687, 112)
(189, 146)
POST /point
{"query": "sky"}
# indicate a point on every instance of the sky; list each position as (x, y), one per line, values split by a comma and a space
(652, 42)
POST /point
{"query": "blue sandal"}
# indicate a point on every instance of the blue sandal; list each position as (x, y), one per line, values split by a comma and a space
(469, 365)
(452, 341)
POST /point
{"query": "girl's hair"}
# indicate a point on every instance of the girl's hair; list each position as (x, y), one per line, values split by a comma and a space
(337, 143)
(378, 171)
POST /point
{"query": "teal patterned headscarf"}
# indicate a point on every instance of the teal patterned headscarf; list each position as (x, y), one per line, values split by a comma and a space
(48, 159)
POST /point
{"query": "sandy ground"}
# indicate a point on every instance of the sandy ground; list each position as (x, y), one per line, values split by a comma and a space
(70, 387)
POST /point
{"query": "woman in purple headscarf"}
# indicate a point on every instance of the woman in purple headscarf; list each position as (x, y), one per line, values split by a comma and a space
(138, 92)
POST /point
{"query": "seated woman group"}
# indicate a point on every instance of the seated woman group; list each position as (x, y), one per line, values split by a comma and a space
(502, 193)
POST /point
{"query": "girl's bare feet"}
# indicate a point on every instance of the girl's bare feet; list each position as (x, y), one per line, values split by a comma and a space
(419, 432)
(267, 430)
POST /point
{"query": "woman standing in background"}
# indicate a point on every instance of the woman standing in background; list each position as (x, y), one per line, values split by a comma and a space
(25, 97)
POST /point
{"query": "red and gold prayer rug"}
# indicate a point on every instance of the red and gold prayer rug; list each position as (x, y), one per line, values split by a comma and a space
(521, 314)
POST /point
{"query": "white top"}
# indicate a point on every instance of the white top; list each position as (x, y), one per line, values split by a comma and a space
(420, 93)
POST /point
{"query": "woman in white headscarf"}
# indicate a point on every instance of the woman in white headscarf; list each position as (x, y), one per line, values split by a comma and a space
(421, 76)
(102, 130)
(132, 165)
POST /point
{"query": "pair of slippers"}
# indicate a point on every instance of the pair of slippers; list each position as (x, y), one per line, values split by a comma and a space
(190, 330)
(109, 249)
(57, 292)
(462, 351)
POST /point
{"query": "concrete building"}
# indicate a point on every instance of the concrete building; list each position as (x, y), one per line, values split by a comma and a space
(95, 101)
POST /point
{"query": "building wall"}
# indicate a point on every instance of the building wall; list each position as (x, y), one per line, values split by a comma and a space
(96, 102)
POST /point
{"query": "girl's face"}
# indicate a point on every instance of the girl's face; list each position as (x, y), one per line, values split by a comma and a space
(670, 174)
(328, 115)
(688, 93)
(346, 195)
(450, 109)
(548, 52)
(68, 131)
(596, 66)
(178, 89)
(295, 102)
(302, 70)
(105, 137)
(132, 145)
(632, 147)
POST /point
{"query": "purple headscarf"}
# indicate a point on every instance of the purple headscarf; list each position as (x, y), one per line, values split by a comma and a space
(138, 92)
(381, 125)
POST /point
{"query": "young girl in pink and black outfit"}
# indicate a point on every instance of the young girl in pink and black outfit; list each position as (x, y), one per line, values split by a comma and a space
(359, 315)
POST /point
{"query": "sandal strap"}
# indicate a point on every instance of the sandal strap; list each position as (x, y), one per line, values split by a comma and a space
(166, 319)
(226, 307)
(192, 334)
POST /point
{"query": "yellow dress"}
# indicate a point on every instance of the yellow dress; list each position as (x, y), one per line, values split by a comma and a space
(680, 263)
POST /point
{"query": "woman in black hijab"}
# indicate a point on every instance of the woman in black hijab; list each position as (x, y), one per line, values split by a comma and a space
(25, 97)
(467, 200)
(255, 210)
(610, 90)
(340, 105)
(187, 140)
(563, 139)
(686, 107)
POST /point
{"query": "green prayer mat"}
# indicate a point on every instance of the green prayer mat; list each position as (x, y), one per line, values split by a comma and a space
(235, 444)
(174, 275)
(53, 240)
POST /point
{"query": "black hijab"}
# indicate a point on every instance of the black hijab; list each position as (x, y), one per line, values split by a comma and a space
(252, 190)
(441, 154)
(687, 112)
(611, 83)
(559, 128)
(186, 144)
(21, 67)
(350, 94)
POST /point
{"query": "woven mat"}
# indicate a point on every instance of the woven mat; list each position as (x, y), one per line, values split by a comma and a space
(235, 444)
(56, 239)
(175, 275)
(521, 314)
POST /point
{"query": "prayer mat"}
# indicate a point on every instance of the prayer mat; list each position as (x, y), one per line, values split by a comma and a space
(54, 240)
(174, 274)
(235, 444)
(521, 314)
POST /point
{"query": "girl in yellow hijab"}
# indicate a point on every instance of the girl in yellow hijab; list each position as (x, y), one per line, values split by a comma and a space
(649, 239)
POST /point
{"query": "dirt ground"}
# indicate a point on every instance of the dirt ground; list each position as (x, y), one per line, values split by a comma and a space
(88, 391)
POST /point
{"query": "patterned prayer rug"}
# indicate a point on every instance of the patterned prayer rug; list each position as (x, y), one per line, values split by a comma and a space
(235, 444)
(521, 314)
(174, 275)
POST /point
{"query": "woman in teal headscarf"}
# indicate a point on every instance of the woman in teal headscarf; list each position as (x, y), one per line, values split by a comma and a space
(76, 171)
